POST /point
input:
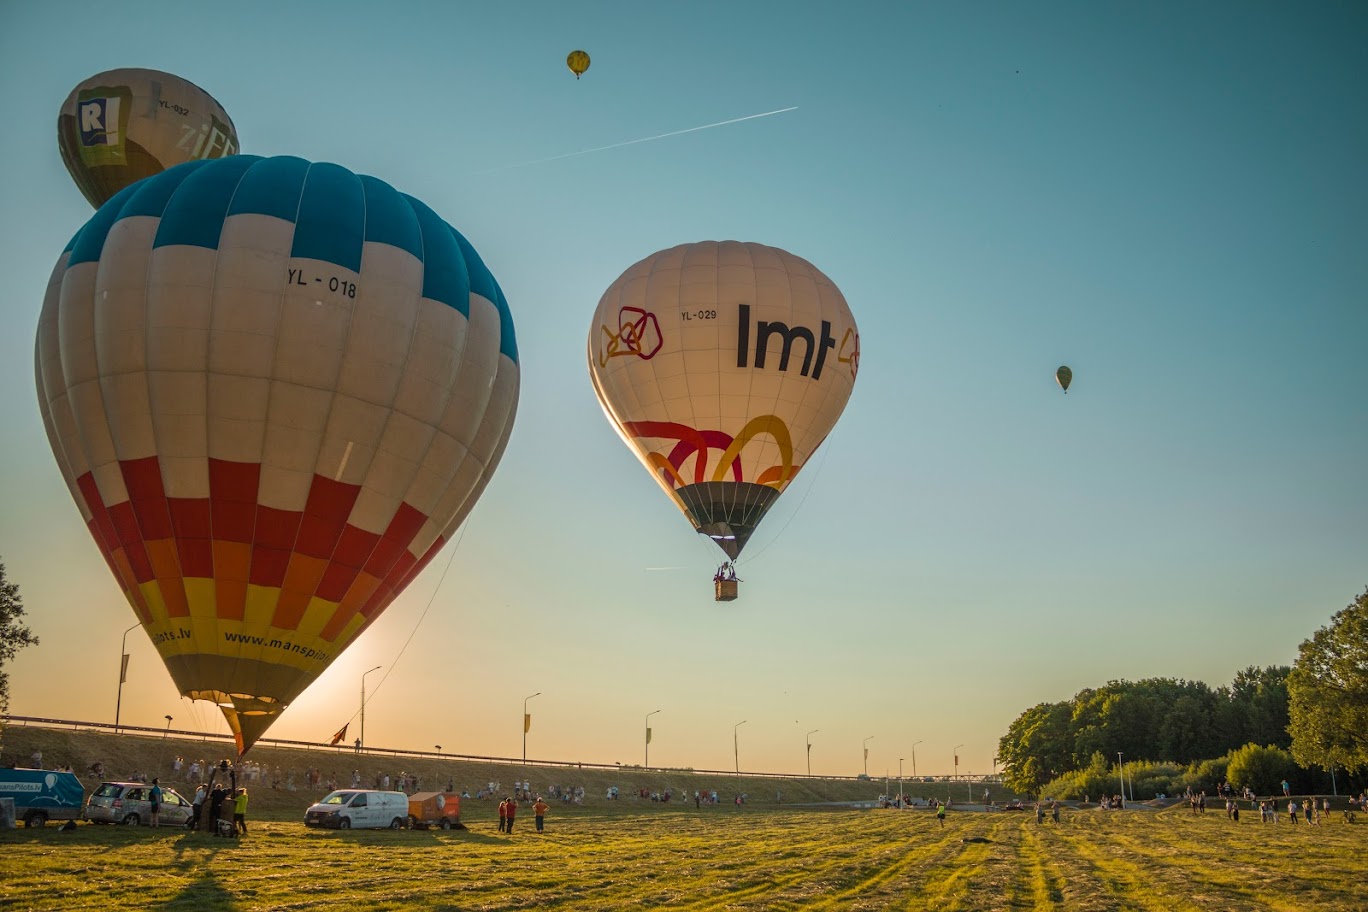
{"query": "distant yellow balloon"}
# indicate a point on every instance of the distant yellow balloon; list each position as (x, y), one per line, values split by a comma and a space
(121, 126)
(1064, 377)
(578, 62)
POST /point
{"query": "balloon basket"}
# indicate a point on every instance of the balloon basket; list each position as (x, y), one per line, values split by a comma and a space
(726, 589)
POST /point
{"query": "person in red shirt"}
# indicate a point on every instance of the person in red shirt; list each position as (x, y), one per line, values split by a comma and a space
(503, 815)
(540, 809)
(512, 809)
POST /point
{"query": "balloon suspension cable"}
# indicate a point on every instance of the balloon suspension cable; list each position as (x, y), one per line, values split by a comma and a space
(820, 463)
(381, 683)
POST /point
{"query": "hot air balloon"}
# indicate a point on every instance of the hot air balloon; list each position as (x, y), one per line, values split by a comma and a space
(1064, 377)
(723, 365)
(274, 389)
(578, 62)
(118, 127)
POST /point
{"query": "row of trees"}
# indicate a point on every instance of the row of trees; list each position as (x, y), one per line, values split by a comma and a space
(1314, 713)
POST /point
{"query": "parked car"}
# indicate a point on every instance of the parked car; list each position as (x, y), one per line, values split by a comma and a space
(42, 795)
(359, 808)
(128, 803)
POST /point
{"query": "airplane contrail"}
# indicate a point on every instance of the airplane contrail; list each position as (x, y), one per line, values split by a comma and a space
(633, 142)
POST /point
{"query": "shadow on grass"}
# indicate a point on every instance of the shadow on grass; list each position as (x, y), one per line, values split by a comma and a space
(204, 895)
(408, 837)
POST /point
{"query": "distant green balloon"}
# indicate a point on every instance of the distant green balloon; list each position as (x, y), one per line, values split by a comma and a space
(1064, 377)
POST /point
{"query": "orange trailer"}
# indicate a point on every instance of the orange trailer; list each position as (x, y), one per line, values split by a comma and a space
(441, 809)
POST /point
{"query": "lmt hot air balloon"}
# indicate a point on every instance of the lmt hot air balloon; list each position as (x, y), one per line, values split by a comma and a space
(723, 365)
(118, 127)
(275, 389)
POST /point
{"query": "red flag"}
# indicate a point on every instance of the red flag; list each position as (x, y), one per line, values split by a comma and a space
(341, 734)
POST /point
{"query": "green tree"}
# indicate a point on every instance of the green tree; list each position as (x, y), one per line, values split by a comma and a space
(1261, 768)
(13, 634)
(1328, 693)
(1036, 748)
(1259, 697)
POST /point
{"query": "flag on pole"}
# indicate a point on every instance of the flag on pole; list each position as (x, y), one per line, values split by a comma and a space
(648, 735)
(123, 670)
(341, 734)
(527, 723)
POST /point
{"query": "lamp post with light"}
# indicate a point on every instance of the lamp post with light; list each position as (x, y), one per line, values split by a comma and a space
(363, 703)
(527, 723)
(647, 762)
(123, 673)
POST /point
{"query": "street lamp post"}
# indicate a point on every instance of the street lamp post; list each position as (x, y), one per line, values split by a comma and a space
(362, 737)
(900, 785)
(957, 747)
(439, 751)
(736, 750)
(809, 749)
(1121, 771)
(647, 763)
(527, 723)
(161, 755)
(914, 758)
(865, 745)
(123, 673)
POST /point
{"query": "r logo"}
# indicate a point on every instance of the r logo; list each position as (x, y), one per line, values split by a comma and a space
(96, 115)
(102, 124)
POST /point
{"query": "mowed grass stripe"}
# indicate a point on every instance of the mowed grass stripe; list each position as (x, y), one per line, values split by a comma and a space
(744, 860)
(1132, 883)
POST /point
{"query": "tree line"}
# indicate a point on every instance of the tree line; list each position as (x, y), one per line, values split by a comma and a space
(1312, 716)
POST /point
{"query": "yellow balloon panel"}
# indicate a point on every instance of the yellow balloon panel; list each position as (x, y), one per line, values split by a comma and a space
(121, 126)
(723, 365)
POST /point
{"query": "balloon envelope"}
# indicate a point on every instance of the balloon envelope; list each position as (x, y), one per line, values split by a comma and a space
(1064, 377)
(274, 389)
(723, 366)
(578, 62)
(118, 127)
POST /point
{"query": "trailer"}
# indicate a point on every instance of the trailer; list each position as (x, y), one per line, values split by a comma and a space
(439, 809)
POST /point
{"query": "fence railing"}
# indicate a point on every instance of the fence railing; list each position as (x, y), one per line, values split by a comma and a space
(186, 734)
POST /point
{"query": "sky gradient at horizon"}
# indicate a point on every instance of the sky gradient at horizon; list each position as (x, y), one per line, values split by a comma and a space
(1169, 199)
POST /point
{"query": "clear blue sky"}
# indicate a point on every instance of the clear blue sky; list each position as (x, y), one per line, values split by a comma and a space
(1168, 197)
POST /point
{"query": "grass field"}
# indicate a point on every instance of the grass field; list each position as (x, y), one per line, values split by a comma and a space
(649, 857)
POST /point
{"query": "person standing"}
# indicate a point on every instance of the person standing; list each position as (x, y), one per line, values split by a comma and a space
(940, 814)
(197, 807)
(240, 812)
(512, 810)
(503, 816)
(154, 796)
(1054, 811)
(216, 796)
(540, 809)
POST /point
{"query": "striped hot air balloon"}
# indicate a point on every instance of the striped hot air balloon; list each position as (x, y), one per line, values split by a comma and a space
(275, 389)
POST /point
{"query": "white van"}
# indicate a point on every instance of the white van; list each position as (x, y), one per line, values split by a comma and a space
(359, 808)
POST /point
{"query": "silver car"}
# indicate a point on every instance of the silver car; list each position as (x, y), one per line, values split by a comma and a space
(127, 802)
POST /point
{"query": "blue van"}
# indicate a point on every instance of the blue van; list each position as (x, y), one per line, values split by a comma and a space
(42, 795)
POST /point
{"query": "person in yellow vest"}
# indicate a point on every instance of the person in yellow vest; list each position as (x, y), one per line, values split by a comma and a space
(540, 809)
(940, 813)
(240, 812)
